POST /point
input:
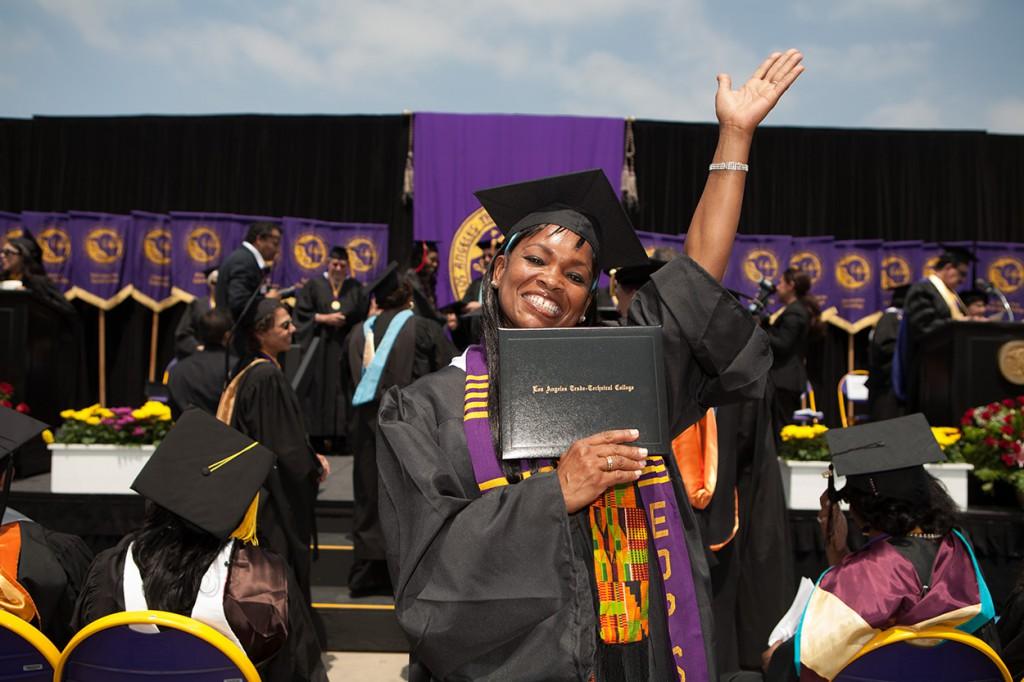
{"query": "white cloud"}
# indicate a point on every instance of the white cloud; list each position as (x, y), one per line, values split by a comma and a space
(1007, 116)
(917, 112)
(871, 62)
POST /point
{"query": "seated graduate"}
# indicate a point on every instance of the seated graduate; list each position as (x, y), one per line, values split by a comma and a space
(260, 403)
(508, 570)
(187, 338)
(41, 572)
(394, 347)
(916, 569)
(197, 381)
(197, 553)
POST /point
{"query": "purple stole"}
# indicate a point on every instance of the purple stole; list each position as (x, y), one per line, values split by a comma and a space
(617, 562)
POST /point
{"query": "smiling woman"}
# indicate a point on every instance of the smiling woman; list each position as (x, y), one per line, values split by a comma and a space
(591, 567)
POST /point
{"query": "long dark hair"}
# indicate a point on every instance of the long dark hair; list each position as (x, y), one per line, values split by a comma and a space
(801, 283)
(934, 512)
(172, 556)
(262, 324)
(492, 318)
(31, 257)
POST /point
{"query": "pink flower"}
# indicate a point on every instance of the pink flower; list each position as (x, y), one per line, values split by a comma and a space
(138, 431)
(23, 408)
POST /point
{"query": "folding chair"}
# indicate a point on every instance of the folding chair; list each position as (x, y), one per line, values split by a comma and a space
(26, 655)
(148, 645)
(900, 655)
(852, 389)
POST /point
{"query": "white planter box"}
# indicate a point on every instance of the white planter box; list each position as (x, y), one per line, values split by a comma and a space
(110, 469)
(804, 482)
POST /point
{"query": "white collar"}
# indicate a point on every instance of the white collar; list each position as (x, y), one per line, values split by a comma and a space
(256, 252)
(460, 361)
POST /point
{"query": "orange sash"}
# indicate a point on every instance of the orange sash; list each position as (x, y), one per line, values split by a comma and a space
(696, 453)
(14, 598)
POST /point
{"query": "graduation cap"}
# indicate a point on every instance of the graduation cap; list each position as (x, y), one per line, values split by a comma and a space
(456, 307)
(338, 252)
(884, 458)
(583, 202)
(973, 296)
(386, 283)
(491, 242)
(957, 255)
(16, 429)
(208, 474)
(636, 275)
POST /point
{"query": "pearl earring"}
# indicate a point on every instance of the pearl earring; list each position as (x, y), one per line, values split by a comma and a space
(583, 318)
(494, 285)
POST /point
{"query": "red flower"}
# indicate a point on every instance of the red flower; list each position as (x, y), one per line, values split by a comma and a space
(989, 411)
(1010, 402)
(1020, 399)
(1008, 418)
(1008, 460)
(968, 417)
(990, 441)
(7, 388)
(23, 408)
(1007, 429)
(6, 403)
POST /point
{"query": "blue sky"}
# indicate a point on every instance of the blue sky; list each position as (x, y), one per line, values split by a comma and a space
(949, 64)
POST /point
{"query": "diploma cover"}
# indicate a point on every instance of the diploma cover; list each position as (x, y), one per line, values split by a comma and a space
(561, 385)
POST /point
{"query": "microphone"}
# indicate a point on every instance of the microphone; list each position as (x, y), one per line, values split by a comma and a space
(993, 290)
(985, 285)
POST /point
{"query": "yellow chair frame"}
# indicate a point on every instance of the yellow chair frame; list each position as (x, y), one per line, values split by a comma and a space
(30, 634)
(898, 634)
(162, 619)
(843, 400)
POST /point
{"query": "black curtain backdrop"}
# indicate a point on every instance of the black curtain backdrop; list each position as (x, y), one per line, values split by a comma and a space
(931, 185)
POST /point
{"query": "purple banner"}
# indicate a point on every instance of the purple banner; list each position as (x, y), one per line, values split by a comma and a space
(306, 243)
(456, 154)
(855, 278)
(813, 255)
(201, 242)
(10, 225)
(150, 253)
(1003, 265)
(655, 240)
(755, 257)
(901, 264)
(51, 233)
(99, 243)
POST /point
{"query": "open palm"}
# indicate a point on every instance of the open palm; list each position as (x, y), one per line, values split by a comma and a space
(745, 108)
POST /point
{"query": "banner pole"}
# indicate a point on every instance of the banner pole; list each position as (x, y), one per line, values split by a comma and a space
(103, 357)
(152, 346)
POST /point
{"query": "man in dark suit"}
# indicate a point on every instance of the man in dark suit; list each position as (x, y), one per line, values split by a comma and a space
(931, 303)
(241, 276)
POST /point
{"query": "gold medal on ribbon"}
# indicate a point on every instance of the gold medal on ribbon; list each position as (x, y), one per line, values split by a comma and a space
(335, 305)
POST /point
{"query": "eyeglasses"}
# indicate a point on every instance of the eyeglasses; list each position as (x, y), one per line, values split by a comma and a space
(287, 324)
(10, 251)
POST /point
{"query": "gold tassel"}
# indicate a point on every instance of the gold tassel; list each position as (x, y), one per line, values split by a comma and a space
(408, 181)
(246, 531)
(630, 196)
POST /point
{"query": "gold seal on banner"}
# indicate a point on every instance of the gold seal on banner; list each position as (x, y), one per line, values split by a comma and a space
(104, 245)
(895, 272)
(853, 271)
(56, 245)
(362, 254)
(14, 232)
(157, 246)
(203, 245)
(1007, 274)
(760, 263)
(310, 251)
(1011, 362)
(809, 262)
(464, 256)
(928, 268)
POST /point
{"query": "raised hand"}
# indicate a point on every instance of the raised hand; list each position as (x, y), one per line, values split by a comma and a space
(745, 108)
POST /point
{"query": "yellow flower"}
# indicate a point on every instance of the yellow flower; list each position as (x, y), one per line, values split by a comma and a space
(67, 414)
(946, 435)
(47, 436)
(104, 413)
(94, 421)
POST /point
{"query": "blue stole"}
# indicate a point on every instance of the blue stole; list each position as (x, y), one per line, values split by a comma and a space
(366, 391)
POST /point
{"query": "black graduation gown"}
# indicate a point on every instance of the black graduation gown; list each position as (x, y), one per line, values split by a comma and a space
(419, 349)
(882, 402)
(267, 409)
(186, 339)
(52, 568)
(924, 311)
(325, 394)
(788, 335)
(297, 660)
(197, 381)
(500, 586)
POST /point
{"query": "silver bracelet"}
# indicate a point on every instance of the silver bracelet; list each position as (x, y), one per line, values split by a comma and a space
(729, 165)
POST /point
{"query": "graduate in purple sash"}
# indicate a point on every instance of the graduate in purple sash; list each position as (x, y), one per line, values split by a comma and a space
(916, 569)
(589, 567)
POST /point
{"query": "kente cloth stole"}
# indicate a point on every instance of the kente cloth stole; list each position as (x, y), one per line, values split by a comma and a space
(14, 598)
(620, 521)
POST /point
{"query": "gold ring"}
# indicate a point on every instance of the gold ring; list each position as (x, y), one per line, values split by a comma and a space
(609, 463)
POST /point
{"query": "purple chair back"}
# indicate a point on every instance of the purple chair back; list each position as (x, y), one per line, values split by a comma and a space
(21, 661)
(126, 654)
(949, 661)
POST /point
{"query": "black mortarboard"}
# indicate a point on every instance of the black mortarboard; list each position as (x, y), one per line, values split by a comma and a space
(16, 429)
(456, 307)
(491, 242)
(583, 202)
(973, 295)
(899, 294)
(957, 255)
(386, 283)
(637, 275)
(339, 252)
(424, 246)
(885, 458)
(209, 474)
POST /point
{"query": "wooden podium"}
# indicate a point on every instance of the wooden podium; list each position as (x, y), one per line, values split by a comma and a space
(39, 355)
(960, 369)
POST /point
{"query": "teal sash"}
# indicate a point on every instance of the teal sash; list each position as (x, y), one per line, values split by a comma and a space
(366, 391)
